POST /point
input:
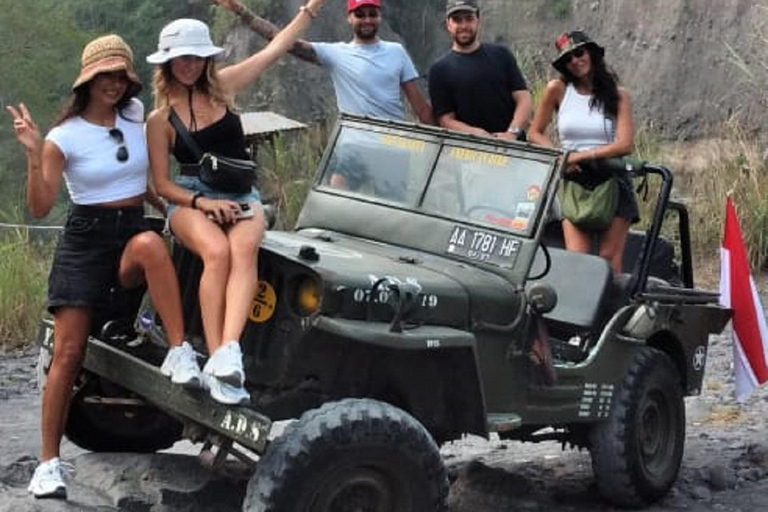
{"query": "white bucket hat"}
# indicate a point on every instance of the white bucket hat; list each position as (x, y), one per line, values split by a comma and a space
(184, 37)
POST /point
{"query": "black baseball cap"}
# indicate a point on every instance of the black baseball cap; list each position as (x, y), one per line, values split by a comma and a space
(461, 5)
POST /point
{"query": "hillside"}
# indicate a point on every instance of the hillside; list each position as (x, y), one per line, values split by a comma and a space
(678, 57)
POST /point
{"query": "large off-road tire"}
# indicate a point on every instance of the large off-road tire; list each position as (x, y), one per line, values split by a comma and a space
(354, 455)
(117, 428)
(636, 454)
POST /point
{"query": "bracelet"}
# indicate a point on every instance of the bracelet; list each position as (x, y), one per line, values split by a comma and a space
(305, 8)
(195, 197)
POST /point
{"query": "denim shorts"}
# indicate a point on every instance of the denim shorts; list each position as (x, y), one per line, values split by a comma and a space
(87, 256)
(194, 185)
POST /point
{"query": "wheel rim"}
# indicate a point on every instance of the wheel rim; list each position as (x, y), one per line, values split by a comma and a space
(657, 433)
(358, 489)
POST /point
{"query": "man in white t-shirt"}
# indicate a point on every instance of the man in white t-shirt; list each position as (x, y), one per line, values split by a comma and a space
(368, 74)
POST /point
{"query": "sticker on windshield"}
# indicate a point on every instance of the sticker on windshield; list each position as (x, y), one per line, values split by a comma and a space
(533, 192)
(404, 143)
(470, 155)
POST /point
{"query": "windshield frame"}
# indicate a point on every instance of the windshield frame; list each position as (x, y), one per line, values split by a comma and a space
(445, 140)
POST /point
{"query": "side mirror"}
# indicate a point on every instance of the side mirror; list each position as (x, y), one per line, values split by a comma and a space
(542, 298)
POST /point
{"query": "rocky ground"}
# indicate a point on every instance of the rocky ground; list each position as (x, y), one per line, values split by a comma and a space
(725, 467)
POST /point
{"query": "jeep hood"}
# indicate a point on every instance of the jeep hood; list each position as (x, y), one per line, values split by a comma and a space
(361, 279)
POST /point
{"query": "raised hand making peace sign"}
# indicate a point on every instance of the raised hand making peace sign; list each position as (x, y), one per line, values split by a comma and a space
(27, 132)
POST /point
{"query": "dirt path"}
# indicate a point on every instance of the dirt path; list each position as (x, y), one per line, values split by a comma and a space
(725, 468)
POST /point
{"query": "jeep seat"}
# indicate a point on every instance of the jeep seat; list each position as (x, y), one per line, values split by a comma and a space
(582, 283)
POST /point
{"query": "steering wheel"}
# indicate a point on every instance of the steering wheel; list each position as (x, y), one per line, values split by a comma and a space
(547, 264)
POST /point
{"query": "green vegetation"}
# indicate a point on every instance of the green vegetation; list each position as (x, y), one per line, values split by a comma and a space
(287, 167)
(562, 9)
(23, 272)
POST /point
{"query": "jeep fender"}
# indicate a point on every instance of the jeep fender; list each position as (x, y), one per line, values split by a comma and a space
(429, 371)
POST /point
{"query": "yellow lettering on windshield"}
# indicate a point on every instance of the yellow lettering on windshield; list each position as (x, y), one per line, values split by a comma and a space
(402, 142)
(482, 157)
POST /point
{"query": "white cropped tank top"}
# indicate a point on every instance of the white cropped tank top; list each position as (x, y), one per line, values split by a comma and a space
(580, 126)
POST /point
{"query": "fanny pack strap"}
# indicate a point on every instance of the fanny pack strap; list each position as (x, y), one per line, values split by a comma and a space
(183, 133)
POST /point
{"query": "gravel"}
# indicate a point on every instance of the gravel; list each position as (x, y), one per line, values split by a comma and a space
(725, 467)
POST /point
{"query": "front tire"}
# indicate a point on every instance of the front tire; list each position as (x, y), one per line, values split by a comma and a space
(110, 427)
(354, 455)
(636, 454)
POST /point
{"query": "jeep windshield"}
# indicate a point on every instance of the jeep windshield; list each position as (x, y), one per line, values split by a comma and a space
(459, 178)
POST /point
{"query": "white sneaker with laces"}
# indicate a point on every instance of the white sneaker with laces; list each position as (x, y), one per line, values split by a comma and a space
(48, 479)
(180, 365)
(227, 364)
(225, 393)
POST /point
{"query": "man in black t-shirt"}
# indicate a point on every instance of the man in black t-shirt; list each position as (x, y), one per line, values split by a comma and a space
(477, 88)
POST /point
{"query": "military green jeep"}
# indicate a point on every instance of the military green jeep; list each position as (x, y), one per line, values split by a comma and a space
(425, 294)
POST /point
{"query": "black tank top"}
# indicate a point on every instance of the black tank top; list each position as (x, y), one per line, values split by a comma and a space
(225, 137)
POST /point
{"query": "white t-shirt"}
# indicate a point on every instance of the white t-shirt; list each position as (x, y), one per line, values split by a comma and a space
(367, 77)
(92, 172)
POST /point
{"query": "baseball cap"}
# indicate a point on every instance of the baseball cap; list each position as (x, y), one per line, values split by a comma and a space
(461, 5)
(354, 4)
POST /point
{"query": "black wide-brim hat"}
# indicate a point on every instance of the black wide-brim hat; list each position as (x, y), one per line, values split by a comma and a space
(570, 41)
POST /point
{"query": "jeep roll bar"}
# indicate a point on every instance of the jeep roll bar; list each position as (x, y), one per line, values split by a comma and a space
(642, 267)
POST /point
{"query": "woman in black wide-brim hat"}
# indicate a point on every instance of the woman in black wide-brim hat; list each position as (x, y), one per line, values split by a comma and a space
(594, 121)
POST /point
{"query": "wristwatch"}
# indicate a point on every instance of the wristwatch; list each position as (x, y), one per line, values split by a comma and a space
(515, 130)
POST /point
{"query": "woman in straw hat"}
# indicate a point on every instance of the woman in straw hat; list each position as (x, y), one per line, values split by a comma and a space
(98, 146)
(206, 220)
(594, 121)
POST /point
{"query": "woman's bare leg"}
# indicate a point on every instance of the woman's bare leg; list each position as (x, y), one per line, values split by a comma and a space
(612, 243)
(244, 239)
(576, 239)
(206, 239)
(146, 259)
(71, 327)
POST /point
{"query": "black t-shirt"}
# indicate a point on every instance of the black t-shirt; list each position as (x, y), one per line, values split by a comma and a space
(477, 87)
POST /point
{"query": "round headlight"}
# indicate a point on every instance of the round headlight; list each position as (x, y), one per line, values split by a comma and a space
(308, 295)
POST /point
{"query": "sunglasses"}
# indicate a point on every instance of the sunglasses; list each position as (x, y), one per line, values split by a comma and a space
(575, 54)
(366, 13)
(122, 152)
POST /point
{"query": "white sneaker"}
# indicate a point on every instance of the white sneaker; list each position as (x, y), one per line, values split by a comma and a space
(48, 479)
(180, 365)
(227, 364)
(225, 393)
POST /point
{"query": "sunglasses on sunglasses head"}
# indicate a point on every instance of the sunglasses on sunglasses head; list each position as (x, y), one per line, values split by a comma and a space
(577, 54)
(122, 152)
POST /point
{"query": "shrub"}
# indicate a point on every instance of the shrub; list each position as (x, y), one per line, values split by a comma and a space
(23, 282)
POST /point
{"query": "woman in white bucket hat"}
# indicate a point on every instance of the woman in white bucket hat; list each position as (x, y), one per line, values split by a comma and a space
(207, 221)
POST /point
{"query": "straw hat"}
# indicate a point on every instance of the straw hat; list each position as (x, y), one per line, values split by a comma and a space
(570, 41)
(184, 37)
(104, 55)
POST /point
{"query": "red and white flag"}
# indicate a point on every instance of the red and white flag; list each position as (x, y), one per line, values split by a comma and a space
(738, 292)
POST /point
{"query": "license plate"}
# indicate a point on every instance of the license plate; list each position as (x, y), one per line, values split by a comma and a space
(483, 246)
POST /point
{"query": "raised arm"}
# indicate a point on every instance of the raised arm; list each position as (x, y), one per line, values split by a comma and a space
(45, 163)
(268, 30)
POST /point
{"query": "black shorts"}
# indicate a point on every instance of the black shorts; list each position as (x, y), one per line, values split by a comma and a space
(627, 207)
(87, 257)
